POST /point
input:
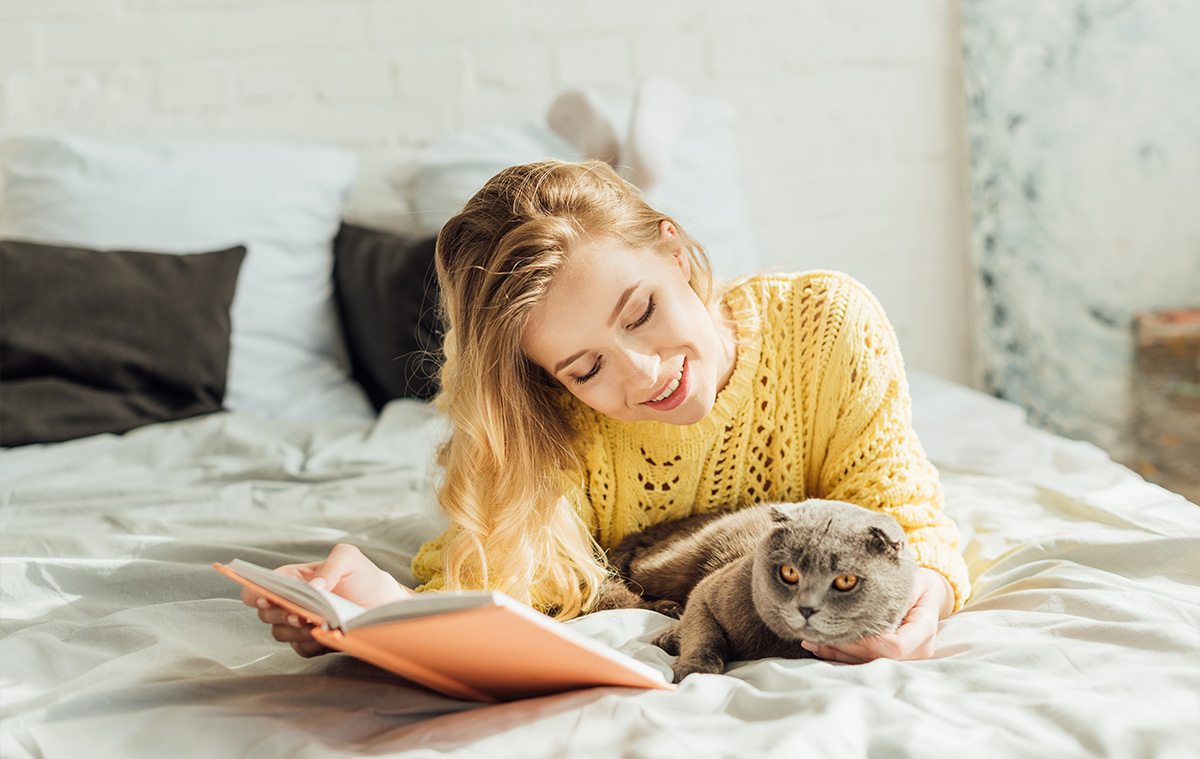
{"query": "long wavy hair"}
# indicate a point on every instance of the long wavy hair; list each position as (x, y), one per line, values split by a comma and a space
(514, 446)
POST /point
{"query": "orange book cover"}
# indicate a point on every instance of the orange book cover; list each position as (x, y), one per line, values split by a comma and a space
(479, 646)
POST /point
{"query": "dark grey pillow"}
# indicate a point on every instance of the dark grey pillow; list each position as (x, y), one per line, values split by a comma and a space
(105, 341)
(387, 295)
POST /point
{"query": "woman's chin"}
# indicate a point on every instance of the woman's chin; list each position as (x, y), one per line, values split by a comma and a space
(696, 408)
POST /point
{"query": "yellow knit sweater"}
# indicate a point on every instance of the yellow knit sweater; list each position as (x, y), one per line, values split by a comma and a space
(817, 407)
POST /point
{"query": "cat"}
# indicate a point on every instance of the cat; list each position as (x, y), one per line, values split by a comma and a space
(754, 583)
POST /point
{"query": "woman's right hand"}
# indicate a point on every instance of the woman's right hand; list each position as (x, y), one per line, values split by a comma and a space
(346, 572)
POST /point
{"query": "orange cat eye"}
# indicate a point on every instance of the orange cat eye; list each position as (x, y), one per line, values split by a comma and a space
(845, 582)
(789, 574)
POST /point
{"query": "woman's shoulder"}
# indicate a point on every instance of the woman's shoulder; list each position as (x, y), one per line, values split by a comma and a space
(811, 287)
(771, 279)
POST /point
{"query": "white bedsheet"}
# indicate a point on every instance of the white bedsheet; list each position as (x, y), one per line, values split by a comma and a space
(1082, 637)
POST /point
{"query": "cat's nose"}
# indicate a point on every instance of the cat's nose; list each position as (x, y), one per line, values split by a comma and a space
(807, 611)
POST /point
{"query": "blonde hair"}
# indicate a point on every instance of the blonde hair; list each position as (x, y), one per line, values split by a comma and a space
(514, 446)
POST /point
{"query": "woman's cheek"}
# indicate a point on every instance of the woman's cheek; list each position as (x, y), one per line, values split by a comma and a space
(592, 396)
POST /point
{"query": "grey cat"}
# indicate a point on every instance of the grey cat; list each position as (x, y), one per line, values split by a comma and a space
(754, 583)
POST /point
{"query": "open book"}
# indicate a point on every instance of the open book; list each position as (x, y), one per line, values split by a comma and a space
(476, 645)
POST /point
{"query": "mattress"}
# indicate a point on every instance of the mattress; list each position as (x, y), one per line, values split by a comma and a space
(1081, 638)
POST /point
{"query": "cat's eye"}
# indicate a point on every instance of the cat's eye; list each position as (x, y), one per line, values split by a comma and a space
(845, 582)
(789, 574)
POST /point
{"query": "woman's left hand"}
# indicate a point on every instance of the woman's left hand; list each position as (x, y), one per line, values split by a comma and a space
(932, 600)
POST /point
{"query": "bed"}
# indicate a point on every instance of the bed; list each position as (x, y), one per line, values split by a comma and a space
(1081, 638)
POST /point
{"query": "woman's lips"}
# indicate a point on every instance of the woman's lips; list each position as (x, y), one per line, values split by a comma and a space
(677, 396)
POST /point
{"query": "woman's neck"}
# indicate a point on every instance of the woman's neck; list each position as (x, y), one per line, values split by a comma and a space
(727, 331)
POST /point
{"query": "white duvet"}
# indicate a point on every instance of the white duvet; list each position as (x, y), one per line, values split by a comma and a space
(1082, 637)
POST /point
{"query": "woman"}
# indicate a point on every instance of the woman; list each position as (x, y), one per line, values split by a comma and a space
(597, 383)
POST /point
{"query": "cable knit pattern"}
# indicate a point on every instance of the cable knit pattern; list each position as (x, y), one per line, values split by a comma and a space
(817, 407)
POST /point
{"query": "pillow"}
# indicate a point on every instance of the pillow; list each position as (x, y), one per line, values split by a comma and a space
(387, 297)
(701, 192)
(105, 341)
(283, 203)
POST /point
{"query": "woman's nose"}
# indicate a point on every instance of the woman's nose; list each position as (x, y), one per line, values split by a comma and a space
(641, 368)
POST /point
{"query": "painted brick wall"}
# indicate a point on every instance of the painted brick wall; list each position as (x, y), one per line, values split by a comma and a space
(850, 130)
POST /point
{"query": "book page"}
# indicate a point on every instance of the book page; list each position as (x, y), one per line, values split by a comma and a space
(326, 605)
(342, 613)
(423, 605)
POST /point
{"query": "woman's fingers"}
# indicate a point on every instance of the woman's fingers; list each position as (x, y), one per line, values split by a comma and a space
(277, 615)
(343, 560)
(252, 598)
(868, 649)
(835, 653)
(300, 638)
(310, 648)
(290, 628)
(291, 633)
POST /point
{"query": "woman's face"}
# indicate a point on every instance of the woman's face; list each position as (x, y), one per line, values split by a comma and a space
(624, 332)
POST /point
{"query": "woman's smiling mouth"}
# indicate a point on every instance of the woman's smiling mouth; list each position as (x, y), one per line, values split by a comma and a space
(674, 383)
(673, 393)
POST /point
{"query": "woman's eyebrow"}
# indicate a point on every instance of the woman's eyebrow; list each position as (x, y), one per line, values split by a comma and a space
(567, 361)
(616, 312)
(622, 301)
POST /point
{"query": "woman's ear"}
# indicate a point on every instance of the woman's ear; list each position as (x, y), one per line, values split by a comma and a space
(671, 241)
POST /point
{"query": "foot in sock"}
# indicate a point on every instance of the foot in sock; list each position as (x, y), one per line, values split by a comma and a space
(660, 111)
(577, 117)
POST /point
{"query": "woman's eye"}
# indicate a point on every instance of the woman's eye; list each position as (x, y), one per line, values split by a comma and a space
(592, 373)
(645, 317)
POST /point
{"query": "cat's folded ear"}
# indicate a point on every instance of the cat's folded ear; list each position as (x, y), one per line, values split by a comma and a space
(780, 512)
(885, 537)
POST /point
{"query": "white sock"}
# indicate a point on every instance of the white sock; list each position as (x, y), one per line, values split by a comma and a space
(577, 117)
(660, 111)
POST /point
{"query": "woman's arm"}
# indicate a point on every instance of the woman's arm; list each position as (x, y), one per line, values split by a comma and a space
(874, 459)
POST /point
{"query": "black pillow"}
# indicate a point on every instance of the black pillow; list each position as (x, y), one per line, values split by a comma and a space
(104, 341)
(387, 296)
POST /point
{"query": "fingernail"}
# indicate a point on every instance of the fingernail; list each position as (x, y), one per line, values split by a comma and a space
(810, 647)
(318, 583)
(263, 603)
(293, 620)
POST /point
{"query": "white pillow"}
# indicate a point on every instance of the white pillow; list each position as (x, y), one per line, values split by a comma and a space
(282, 202)
(702, 191)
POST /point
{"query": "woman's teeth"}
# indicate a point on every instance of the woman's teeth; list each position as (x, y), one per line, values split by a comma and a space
(671, 387)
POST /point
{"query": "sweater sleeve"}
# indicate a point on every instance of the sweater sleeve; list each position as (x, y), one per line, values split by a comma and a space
(873, 457)
(427, 564)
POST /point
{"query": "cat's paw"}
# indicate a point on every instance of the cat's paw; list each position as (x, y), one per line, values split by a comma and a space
(672, 609)
(669, 641)
(615, 594)
(705, 666)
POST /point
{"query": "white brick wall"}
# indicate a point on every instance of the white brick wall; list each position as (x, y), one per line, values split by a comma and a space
(850, 115)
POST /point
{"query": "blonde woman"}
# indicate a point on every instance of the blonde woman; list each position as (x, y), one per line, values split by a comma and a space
(598, 381)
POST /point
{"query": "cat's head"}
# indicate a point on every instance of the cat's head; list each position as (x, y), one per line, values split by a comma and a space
(831, 572)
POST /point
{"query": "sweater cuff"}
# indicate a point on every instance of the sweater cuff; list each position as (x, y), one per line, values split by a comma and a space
(436, 583)
(427, 565)
(949, 563)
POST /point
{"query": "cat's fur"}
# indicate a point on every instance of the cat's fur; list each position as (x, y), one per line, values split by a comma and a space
(722, 571)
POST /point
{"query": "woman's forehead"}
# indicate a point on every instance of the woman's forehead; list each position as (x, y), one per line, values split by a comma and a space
(599, 277)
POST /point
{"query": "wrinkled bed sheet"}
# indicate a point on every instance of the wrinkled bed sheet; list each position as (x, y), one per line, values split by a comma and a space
(1082, 637)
